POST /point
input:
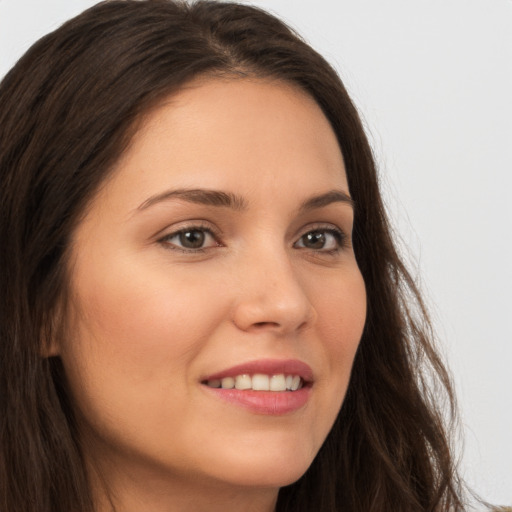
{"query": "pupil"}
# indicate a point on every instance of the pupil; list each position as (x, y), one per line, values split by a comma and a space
(315, 240)
(192, 239)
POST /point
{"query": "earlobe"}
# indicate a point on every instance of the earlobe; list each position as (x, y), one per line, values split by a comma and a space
(49, 346)
(50, 335)
(49, 349)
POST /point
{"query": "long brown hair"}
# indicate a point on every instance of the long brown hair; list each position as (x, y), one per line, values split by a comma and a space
(67, 112)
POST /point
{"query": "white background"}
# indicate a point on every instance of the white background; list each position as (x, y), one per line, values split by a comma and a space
(433, 81)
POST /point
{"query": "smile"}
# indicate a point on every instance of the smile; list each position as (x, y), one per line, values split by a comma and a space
(259, 382)
(266, 386)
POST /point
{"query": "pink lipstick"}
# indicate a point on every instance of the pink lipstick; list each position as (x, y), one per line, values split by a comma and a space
(268, 386)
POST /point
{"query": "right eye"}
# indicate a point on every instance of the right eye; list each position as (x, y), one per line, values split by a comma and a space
(190, 239)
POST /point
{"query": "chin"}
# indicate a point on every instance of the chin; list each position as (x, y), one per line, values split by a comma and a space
(270, 477)
(266, 469)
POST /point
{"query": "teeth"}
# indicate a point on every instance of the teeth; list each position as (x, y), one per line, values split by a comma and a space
(228, 383)
(278, 383)
(243, 382)
(259, 382)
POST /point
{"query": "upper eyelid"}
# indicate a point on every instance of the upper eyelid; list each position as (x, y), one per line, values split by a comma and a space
(206, 226)
(201, 225)
(312, 226)
(341, 237)
(164, 240)
(323, 226)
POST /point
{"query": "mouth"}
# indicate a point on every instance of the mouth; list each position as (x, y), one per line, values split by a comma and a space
(269, 387)
(258, 382)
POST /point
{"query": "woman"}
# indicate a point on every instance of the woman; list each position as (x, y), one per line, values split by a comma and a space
(202, 306)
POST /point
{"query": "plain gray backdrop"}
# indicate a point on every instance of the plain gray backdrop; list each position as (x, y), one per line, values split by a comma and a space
(433, 82)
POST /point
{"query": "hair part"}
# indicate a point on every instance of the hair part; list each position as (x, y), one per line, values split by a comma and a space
(70, 107)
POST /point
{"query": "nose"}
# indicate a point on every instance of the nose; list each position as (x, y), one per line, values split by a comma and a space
(270, 296)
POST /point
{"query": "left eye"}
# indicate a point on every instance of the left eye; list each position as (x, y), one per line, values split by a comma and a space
(191, 239)
(321, 240)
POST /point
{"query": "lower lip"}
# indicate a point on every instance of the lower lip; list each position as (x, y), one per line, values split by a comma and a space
(274, 403)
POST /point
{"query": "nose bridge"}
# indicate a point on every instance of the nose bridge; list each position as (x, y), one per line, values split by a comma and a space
(270, 292)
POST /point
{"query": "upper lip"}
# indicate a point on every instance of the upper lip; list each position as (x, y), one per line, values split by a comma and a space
(266, 367)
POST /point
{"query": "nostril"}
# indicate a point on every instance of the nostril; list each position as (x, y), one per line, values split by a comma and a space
(265, 324)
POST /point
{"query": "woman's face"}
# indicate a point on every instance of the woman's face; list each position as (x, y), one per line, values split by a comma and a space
(219, 253)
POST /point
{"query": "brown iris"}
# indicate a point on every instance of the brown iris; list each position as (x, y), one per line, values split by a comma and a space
(314, 240)
(192, 239)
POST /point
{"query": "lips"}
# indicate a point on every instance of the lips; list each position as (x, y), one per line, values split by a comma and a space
(268, 386)
(266, 367)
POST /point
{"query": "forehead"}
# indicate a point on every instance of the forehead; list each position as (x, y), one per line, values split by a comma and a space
(225, 133)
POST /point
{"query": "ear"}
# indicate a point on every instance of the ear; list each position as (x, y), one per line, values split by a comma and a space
(49, 349)
(51, 333)
(49, 346)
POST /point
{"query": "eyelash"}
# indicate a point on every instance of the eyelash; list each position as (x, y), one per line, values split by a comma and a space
(196, 227)
(339, 236)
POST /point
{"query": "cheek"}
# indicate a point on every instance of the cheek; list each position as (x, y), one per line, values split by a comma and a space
(342, 308)
(132, 348)
(341, 319)
(149, 318)
(344, 318)
(135, 338)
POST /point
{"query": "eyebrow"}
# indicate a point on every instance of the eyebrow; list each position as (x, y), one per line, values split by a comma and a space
(321, 200)
(229, 200)
(199, 196)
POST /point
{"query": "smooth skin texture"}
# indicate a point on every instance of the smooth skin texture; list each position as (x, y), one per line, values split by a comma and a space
(156, 308)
